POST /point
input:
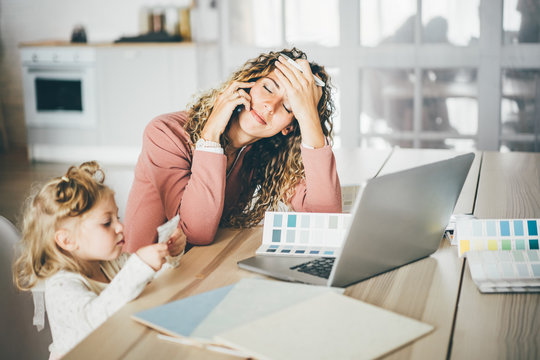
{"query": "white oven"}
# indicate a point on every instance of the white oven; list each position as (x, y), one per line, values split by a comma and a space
(59, 85)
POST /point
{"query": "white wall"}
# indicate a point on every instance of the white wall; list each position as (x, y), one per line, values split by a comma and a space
(104, 20)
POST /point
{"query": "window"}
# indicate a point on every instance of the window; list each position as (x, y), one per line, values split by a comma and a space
(453, 74)
(521, 21)
(386, 21)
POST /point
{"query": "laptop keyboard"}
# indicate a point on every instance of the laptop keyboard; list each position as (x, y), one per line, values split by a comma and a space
(320, 267)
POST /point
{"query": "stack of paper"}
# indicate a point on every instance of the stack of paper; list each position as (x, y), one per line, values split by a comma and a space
(277, 320)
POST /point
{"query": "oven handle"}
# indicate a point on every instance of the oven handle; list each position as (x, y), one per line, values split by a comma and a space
(56, 69)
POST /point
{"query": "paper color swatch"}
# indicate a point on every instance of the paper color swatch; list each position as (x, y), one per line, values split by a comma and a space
(497, 234)
(303, 234)
(505, 271)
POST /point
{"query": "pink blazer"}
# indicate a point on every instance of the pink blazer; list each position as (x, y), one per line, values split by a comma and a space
(172, 178)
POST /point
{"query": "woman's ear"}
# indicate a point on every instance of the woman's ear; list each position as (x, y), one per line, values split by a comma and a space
(287, 130)
(64, 240)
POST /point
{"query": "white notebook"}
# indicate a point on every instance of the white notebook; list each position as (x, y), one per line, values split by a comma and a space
(327, 326)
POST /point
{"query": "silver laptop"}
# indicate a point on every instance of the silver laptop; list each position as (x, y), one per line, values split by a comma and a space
(397, 219)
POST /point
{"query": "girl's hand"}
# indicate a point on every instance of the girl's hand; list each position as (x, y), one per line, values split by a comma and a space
(177, 242)
(303, 95)
(154, 255)
(233, 96)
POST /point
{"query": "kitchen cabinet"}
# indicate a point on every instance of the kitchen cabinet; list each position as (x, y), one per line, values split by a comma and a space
(119, 89)
(137, 83)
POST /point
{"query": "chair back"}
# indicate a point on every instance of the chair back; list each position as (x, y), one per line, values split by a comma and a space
(19, 339)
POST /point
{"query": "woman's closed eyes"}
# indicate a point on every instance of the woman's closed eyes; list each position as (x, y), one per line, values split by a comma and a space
(267, 88)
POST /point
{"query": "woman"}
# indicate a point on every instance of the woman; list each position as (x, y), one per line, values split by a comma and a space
(240, 150)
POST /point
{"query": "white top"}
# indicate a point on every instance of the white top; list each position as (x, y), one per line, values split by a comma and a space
(76, 305)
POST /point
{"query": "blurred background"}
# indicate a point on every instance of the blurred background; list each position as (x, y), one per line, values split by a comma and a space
(450, 74)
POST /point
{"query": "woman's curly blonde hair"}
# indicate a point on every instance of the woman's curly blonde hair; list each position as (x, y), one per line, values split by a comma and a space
(273, 165)
(68, 196)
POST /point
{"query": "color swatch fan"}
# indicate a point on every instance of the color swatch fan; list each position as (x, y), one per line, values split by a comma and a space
(503, 254)
(303, 234)
(497, 234)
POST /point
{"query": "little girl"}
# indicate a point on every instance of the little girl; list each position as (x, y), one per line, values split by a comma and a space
(72, 243)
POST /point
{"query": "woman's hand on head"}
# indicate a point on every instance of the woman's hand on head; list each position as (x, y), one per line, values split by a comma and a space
(234, 95)
(154, 255)
(177, 242)
(303, 96)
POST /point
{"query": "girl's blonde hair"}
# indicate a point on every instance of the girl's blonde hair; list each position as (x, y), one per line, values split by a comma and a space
(274, 164)
(68, 196)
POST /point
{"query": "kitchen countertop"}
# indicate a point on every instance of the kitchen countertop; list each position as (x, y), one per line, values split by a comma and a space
(60, 43)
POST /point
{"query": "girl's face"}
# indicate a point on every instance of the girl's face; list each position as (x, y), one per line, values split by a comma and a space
(270, 109)
(100, 234)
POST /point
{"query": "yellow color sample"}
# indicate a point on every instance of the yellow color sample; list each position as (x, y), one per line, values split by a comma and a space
(464, 246)
(478, 244)
(492, 244)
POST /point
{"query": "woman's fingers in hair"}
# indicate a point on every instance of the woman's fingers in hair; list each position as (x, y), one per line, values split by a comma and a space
(301, 72)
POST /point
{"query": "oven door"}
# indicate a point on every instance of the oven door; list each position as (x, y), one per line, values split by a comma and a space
(60, 95)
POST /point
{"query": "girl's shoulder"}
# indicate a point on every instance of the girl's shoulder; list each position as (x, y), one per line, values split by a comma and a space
(65, 280)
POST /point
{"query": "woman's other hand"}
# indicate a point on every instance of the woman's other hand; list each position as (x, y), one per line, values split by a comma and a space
(303, 95)
(177, 242)
(154, 255)
(234, 95)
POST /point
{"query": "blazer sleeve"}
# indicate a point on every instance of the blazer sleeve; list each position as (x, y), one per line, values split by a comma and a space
(320, 191)
(189, 182)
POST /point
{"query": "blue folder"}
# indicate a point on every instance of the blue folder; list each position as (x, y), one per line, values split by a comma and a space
(181, 317)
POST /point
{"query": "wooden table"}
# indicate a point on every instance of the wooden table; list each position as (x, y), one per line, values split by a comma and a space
(437, 290)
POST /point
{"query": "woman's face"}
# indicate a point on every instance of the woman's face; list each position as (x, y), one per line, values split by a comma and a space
(270, 109)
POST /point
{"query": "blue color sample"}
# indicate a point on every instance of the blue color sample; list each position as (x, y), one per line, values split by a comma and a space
(305, 221)
(533, 255)
(314, 252)
(533, 229)
(286, 251)
(271, 250)
(505, 228)
(522, 270)
(290, 236)
(477, 228)
(536, 269)
(333, 222)
(278, 218)
(291, 220)
(328, 253)
(183, 316)
(491, 228)
(300, 251)
(508, 270)
(518, 228)
(276, 235)
(533, 244)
